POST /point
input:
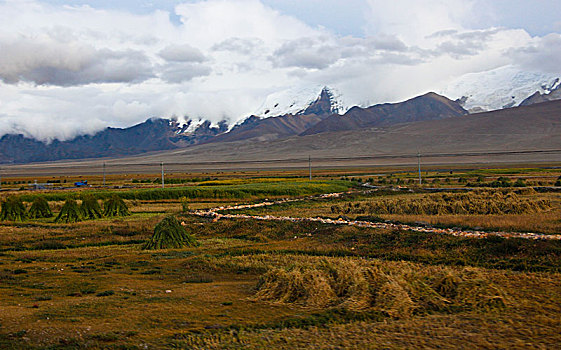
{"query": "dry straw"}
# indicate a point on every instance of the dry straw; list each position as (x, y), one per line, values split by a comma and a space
(359, 286)
(474, 203)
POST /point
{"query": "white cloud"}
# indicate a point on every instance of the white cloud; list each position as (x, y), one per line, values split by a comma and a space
(244, 46)
(311, 53)
(66, 70)
(182, 53)
(540, 54)
(46, 61)
(414, 21)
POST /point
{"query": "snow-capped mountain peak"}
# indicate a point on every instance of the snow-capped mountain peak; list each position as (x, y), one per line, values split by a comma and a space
(554, 85)
(502, 87)
(300, 100)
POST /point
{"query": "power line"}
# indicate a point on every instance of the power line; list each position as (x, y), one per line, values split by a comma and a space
(162, 165)
(310, 166)
(419, 161)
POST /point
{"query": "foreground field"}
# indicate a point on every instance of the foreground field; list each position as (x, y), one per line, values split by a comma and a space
(264, 284)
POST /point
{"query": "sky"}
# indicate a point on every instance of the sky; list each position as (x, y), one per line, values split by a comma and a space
(75, 67)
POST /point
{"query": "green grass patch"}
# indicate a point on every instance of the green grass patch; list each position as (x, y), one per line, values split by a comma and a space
(239, 191)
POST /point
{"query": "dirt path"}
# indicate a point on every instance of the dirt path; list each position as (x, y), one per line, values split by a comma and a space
(215, 213)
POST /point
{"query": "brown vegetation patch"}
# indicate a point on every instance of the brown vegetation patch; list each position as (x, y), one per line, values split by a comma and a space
(405, 291)
(473, 203)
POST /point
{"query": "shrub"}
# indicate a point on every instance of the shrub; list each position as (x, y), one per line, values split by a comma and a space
(70, 212)
(115, 206)
(169, 233)
(13, 210)
(40, 209)
(90, 208)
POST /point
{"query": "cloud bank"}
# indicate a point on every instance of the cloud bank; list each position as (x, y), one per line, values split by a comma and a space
(72, 69)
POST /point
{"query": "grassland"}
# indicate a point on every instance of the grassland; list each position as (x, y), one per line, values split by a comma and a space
(256, 284)
(246, 191)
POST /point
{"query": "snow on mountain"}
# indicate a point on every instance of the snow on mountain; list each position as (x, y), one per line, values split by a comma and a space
(297, 99)
(503, 87)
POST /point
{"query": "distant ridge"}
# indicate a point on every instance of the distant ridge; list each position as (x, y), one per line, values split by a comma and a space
(155, 134)
(521, 134)
(272, 128)
(426, 107)
(430, 121)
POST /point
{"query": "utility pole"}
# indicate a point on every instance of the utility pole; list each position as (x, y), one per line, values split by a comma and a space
(419, 162)
(103, 174)
(162, 165)
(310, 166)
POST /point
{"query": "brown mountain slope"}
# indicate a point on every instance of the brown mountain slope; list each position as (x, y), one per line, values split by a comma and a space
(514, 129)
(535, 127)
(254, 128)
(426, 107)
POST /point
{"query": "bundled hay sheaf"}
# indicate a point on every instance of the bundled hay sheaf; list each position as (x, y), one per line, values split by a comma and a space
(478, 203)
(169, 233)
(115, 206)
(40, 209)
(13, 209)
(397, 292)
(70, 212)
(184, 205)
(90, 208)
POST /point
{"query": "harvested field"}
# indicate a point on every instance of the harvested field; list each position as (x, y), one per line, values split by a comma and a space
(471, 203)
(252, 281)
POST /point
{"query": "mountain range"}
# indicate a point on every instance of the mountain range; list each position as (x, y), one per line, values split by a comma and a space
(282, 116)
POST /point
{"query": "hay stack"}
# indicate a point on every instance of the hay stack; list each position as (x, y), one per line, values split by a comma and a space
(40, 209)
(13, 210)
(90, 208)
(115, 206)
(70, 212)
(399, 293)
(170, 234)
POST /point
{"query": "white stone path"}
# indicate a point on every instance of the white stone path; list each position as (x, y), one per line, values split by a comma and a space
(214, 213)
